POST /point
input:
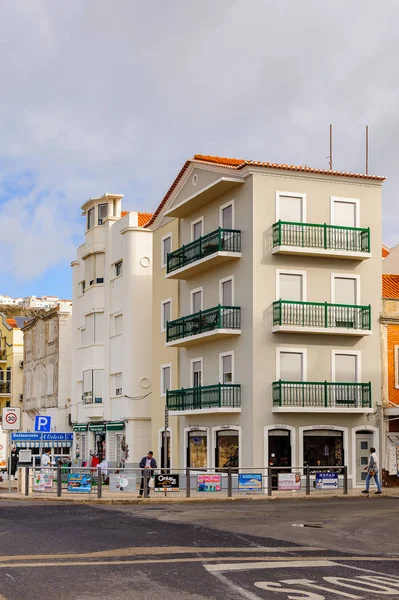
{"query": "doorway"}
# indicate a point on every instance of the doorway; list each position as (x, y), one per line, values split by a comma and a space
(279, 441)
(364, 441)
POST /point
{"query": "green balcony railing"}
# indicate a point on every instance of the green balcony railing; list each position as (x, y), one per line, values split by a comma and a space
(5, 387)
(220, 317)
(226, 240)
(321, 394)
(221, 395)
(316, 314)
(324, 237)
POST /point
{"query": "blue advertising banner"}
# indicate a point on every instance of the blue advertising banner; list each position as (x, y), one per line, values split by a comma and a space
(27, 436)
(326, 481)
(250, 481)
(79, 483)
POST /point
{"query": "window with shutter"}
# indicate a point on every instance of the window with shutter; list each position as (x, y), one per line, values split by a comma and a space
(291, 208)
(88, 387)
(98, 328)
(100, 267)
(90, 270)
(98, 386)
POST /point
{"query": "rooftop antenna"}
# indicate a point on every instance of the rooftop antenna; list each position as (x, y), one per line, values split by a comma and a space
(331, 150)
(367, 149)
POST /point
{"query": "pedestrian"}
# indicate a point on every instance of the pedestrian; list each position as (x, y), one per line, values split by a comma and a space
(14, 462)
(147, 466)
(45, 461)
(372, 471)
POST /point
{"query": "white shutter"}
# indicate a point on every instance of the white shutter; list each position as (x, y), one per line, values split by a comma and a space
(197, 230)
(227, 217)
(227, 293)
(89, 270)
(166, 316)
(227, 369)
(87, 381)
(345, 368)
(345, 290)
(98, 328)
(291, 367)
(197, 301)
(118, 384)
(100, 266)
(89, 329)
(344, 214)
(118, 324)
(197, 373)
(290, 209)
(165, 379)
(291, 287)
(98, 386)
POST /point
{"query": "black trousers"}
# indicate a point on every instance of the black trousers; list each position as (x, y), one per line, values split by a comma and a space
(143, 482)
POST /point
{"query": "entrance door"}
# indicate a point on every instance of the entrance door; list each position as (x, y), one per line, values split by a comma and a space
(279, 452)
(364, 441)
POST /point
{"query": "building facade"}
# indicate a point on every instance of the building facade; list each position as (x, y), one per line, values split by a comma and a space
(11, 360)
(111, 338)
(278, 271)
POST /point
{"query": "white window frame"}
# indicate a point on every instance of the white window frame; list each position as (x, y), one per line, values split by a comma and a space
(192, 292)
(115, 389)
(345, 276)
(221, 356)
(354, 201)
(230, 203)
(163, 394)
(114, 316)
(192, 361)
(356, 353)
(165, 237)
(193, 223)
(396, 362)
(303, 351)
(208, 441)
(291, 272)
(118, 262)
(221, 282)
(292, 195)
(163, 328)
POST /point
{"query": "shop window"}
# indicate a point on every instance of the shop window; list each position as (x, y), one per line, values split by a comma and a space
(226, 449)
(323, 448)
(197, 449)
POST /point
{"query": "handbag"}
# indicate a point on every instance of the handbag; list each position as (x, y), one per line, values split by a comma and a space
(151, 483)
(371, 472)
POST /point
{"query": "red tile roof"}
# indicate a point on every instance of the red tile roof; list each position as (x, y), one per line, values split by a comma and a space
(384, 252)
(144, 218)
(12, 323)
(124, 213)
(390, 286)
(240, 163)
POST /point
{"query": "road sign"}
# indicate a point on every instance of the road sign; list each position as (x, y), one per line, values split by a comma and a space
(42, 424)
(11, 419)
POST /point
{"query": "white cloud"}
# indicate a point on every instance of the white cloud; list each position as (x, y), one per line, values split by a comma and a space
(99, 96)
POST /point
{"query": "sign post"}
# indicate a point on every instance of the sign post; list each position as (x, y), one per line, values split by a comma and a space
(11, 421)
(42, 425)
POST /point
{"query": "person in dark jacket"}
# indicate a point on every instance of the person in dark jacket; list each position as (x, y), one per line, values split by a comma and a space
(14, 461)
(147, 466)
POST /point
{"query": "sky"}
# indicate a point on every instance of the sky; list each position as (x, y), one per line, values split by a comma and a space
(100, 96)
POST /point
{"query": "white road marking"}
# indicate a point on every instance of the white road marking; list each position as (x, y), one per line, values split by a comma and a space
(249, 566)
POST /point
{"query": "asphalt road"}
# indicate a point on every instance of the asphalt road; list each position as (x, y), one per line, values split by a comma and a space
(314, 549)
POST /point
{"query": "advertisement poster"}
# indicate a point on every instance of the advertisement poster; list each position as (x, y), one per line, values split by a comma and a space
(166, 483)
(250, 481)
(122, 482)
(289, 481)
(43, 482)
(326, 481)
(208, 483)
(79, 483)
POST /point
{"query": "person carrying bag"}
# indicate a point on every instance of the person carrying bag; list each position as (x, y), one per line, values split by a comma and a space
(372, 471)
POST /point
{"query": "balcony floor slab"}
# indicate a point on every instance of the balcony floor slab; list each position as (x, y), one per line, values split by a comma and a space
(321, 330)
(202, 411)
(208, 262)
(203, 337)
(322, 409)
(321, 252)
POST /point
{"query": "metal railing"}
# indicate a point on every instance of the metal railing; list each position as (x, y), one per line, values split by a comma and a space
(318, 314)
(5, 388)
(219, 317)
(322, 236)
(226, 240)
(321, 394)
(221, 395)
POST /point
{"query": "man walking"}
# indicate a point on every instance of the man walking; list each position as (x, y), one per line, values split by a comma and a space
(147, 466)
(372, 471)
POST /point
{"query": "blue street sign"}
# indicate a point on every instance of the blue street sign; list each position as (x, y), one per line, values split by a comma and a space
(29, 436)
(42, 424)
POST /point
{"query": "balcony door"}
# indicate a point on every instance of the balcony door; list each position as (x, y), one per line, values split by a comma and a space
(346, 367)
(344, 213)
(197, 229)
(345, 291)
(291, 369)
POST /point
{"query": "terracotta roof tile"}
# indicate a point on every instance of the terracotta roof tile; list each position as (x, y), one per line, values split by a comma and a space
(390, 286)
(144, 218)
(124, 213)
(238, 163)
(12, 323)
(384, 252)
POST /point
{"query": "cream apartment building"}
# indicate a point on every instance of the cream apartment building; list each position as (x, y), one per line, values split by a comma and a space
(111, 334)
(278, 276)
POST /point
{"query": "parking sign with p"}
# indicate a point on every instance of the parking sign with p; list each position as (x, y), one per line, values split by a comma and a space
(42, 424)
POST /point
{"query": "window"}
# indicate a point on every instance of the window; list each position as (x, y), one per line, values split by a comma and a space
(196, 300)
(82, 287)
(118, 324)
(323, 448)
(93, 386)
(226, 367)
(166, 313)
(119, 268)
(94, 268)
(118, 384)
(290, 207)
(165, 249)
(345, 289)
(197, 451)
(227, 216)
(291, 364)
(94, 329)
(166, 377)
(291, 285)
(226, 292)
(83, 337)
(197, 229)
(100, 267)
(102, 213)
(227, 449)
(90, 218)
(346, 367)
(345, 212)
(196, 372)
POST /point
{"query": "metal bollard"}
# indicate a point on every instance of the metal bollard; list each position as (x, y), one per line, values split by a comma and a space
(269, 481)
(307, 480)
(345, 480)
(229, 483)
(99, 483)
(146, 479)
(59, 481)
(26, 481)
(188, 483)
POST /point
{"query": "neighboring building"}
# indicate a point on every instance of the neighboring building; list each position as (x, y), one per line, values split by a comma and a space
(47, 369)
(32, 301)
(111, 342)
(11, 360)
(10, 301)
(277, 270)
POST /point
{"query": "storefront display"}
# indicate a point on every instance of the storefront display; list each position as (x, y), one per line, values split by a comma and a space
(323, 448)
(227, 449)
(197, 449)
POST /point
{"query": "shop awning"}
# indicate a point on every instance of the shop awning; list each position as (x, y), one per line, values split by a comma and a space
(115, 425)
(97, 427)
(80, 427)
(45, 444)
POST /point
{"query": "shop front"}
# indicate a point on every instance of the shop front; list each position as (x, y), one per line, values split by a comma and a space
(60, 444)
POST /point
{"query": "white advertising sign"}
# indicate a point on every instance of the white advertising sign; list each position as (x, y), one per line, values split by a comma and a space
(11, 418)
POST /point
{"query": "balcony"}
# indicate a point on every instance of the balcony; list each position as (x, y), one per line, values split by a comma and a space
(222, 397)
(323, 397)
(3, 355)
(206, 252)
(325, 318)
(203, 326)
(321, 240)
(5, 388)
